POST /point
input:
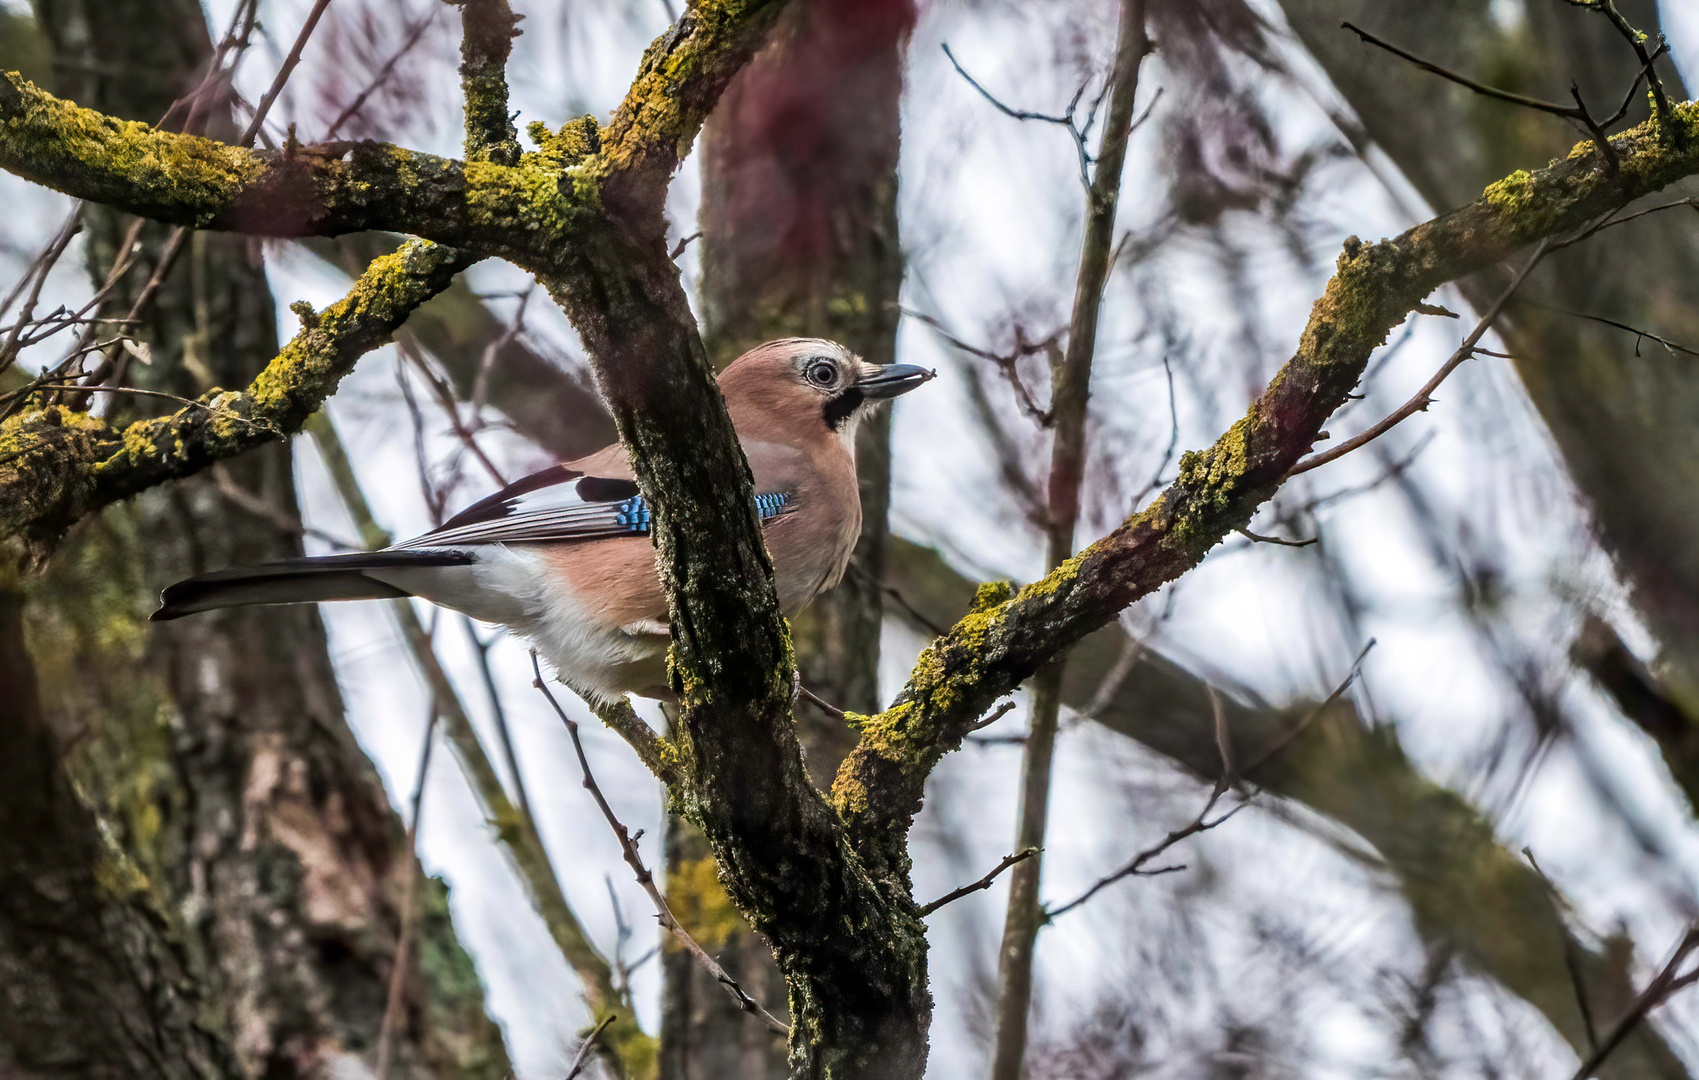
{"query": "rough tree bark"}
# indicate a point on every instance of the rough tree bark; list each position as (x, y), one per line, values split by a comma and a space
(799, 239)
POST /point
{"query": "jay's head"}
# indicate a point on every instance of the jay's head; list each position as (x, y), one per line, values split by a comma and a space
(811, 387)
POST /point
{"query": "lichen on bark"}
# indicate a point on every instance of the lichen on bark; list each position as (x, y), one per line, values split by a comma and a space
(58, 465)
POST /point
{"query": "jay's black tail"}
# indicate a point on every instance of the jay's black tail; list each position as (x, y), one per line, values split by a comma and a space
(298, 581)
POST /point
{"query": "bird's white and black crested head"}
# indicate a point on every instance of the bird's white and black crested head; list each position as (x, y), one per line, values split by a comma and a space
(820, 378)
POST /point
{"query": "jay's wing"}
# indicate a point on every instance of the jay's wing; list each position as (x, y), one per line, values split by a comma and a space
(593, 498)
(561, 503)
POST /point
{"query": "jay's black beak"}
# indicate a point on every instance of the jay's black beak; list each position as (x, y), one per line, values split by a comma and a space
(894, 379)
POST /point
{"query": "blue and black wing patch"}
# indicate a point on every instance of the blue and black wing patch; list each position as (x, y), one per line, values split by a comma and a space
(560, 504)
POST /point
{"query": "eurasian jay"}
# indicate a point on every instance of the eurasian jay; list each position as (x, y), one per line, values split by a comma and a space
(563, 556)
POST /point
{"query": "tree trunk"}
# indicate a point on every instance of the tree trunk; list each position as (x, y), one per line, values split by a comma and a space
(230, 796)
(799, 223)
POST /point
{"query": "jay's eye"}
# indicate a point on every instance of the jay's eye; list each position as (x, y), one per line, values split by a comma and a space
(822, 373)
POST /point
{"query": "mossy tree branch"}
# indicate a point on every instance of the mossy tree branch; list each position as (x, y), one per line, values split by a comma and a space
(57, 465)
(1010, 635)
(299, 190)
(488, 28)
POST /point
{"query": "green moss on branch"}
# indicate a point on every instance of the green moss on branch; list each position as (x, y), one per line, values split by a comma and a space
(57, 465)
(681, 78)
(488, 30)
(990, 652)
(521, 212)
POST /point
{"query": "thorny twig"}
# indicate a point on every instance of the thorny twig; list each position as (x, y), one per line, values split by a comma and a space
(628, 847)
(982, 883)
(1424, 397)
(1639, 334)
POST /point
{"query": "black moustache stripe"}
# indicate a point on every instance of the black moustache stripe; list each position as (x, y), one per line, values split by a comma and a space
(842, 407)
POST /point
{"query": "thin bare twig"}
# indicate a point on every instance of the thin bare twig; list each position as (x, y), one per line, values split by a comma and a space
(909, 611)
(628, 847)
(499, 714)
(993, 716)
(409, 904)
(1392, 471)
(1155, 482)
(492, 353)
(1663, 986)
(1424, 397)
(266, 510)
(1639, 334)
(283, 73)
(832, 711)
(1283, 741)
(1259, 538)
(115, 363)
(414, 33)
(1201, 823)
(1637, 41)
(982, 883)
(580, 1059)
(1006, 363)
(1066, 120)
(1136, 867)
(137, 391)
(683, 243)
(1070, 395)
(1578, 112)
(444, 394)
(36, 276)
(1572, 961)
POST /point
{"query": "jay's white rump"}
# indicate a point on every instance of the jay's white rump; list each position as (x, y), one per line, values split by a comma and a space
(563, 557)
